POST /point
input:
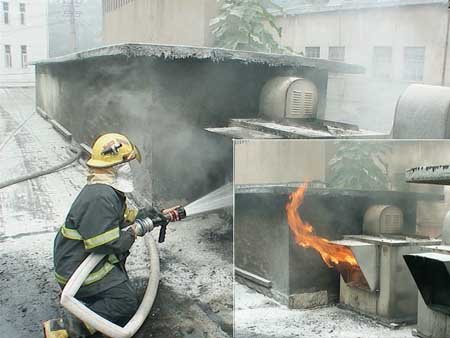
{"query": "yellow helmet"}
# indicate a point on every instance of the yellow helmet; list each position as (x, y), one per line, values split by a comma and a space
(112, 149)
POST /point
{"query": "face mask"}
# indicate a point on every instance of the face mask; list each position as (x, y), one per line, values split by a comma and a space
(124, 178)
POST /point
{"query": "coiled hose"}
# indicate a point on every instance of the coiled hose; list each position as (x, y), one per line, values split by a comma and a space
(99, 323)
(42, 172)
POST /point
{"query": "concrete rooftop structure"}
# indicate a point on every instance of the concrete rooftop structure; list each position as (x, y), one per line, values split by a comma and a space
(175, 52)
(165, 96)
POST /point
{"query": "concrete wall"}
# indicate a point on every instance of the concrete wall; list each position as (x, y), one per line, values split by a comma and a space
(359, 31)
(409, 154)
(33, 34)
(280, 161)
(366, 100)
(184, 22)
(269, 162)
(163, 105)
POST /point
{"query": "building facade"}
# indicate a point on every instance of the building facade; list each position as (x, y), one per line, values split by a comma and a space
(23, 39)
(182, 22)
(399, 42)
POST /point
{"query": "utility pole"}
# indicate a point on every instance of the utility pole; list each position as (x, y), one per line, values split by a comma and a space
(73, 28)
(72, 10)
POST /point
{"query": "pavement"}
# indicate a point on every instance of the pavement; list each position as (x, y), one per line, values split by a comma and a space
(257, 316)
(195, 294)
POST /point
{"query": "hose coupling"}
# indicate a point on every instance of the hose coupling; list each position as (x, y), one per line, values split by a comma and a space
(143, 226)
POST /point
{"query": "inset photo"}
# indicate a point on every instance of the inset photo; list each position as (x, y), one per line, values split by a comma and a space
(342, 239)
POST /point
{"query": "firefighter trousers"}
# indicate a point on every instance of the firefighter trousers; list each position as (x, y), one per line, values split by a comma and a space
(117, 304)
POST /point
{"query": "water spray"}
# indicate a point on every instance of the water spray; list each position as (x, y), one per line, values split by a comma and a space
(218, 199)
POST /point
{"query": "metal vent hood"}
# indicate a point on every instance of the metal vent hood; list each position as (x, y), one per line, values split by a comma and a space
(390, 294)
(431, 272)
(293, 107)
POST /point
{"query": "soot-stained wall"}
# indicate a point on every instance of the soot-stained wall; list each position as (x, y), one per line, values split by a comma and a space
(163, 105)
(265, 246)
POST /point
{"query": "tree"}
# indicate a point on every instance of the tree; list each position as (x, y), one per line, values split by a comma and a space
(360, 165)
(247, 25)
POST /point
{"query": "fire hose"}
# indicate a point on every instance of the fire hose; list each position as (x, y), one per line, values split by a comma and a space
(89, 317)
(75, 157)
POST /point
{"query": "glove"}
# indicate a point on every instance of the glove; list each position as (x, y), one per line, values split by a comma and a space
(159, 219)
(146, 212)
(176, 213)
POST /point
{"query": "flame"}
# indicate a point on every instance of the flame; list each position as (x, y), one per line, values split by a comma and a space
(332, 254)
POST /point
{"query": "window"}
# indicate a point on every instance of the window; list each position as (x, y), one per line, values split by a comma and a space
(414, 63)
(382, 62)
(312, 52)
(8, 59)
(336, 54)
(5, 13)
(23, 50)
(22, 13)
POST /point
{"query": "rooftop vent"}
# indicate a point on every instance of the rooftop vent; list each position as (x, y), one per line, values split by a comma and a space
(389, 294)
(289, 97)
(383, 219)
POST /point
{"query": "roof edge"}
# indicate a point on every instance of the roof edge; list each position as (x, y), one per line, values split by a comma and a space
(324, 8)
(204, 53)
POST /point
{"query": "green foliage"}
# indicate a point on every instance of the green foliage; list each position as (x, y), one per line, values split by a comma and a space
(247, 25)
(360, 165)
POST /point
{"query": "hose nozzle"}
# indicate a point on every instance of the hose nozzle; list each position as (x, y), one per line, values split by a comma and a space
(175, 214)
(172, 215)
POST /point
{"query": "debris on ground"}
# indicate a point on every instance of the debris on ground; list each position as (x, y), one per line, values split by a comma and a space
(257, 316)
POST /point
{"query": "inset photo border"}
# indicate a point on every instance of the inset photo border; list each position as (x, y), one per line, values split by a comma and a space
(340, 238)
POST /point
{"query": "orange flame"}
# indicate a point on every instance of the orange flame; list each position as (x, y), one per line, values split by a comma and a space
(332, 254)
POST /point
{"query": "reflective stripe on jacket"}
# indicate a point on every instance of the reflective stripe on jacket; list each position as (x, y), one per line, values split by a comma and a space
(94, 224)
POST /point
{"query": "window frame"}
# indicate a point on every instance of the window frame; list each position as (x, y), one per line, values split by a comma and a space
(336, 48)
(22, 9)
(24, 56)
(7, 56)
(314, 51)
(382, 69)
(5, 8)
(414, 67)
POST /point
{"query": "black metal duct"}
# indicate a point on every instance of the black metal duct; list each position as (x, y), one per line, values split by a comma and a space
(431, 272)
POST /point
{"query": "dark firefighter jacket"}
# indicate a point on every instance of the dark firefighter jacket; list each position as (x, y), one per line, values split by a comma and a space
(94, 224)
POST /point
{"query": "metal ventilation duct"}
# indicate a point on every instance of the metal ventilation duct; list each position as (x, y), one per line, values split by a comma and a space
(365, 275)
(431, 272)
(422, 112)
(383, 219)
(289, 97)
(289, 107)
(390, 294)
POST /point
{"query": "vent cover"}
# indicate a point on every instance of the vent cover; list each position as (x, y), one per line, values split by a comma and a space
(301, 100)
(383, 219)
(302, 103)
(391, 222)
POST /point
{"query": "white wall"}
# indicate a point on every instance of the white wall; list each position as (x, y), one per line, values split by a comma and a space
(184, 22)
(278, 161)
(34, 34)
(365, 100)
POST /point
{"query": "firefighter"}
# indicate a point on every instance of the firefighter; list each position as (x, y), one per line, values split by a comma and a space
(99, 221)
